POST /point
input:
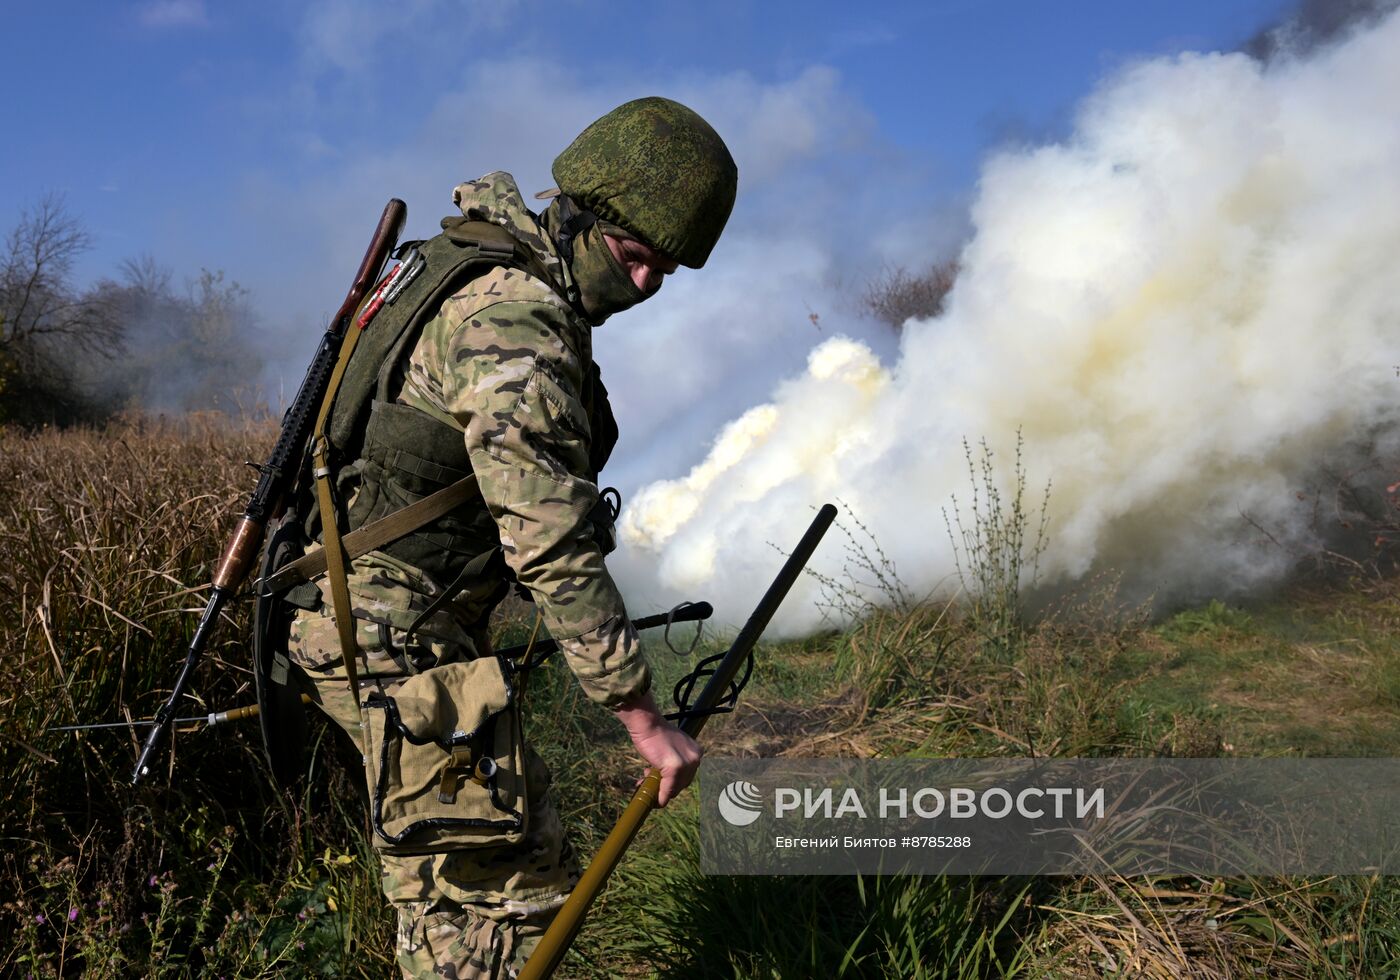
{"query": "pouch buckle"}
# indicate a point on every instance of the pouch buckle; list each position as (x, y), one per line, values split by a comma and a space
(461, 763)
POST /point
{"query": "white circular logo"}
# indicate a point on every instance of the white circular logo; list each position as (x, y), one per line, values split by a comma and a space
(740, 803)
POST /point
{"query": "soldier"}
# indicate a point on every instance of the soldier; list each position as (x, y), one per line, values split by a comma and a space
(500, 382)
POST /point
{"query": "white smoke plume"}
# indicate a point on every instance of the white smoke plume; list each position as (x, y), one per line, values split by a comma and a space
(1186, 308)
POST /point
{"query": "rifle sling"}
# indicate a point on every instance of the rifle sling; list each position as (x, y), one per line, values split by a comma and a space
(330, 517)
(335, 556)
(375, 535)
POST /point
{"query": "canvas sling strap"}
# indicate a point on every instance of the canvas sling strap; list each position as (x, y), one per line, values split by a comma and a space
(375, 535)
(490, 241)
(333, 551)
(337, 551)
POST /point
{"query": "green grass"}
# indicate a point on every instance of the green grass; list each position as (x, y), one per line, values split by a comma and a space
(697, 925)
(1105, 688)
(1314, 673)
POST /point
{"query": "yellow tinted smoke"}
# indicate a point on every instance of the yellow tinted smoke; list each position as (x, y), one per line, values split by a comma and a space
(1186, 308)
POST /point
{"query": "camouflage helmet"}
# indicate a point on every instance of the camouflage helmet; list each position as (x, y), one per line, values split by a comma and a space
(656, 169)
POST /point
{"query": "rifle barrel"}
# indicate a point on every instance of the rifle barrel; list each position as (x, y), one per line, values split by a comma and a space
(165, 714)
(213, 718)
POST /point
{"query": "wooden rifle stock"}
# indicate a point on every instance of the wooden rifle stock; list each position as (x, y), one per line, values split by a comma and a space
(278, 475)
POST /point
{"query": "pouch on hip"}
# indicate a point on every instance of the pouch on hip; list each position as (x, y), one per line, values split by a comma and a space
(446, 766)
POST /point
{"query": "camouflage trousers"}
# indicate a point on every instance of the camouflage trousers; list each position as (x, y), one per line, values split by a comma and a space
(476, 913)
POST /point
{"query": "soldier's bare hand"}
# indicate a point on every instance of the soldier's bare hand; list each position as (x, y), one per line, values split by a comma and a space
(662, 745)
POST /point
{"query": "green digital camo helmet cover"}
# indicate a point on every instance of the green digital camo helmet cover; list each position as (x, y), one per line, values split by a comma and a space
(658, 170)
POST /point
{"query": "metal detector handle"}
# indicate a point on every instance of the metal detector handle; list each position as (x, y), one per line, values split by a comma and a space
(561, 932)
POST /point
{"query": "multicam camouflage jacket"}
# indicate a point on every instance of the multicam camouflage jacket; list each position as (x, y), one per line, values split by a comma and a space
(507, 362)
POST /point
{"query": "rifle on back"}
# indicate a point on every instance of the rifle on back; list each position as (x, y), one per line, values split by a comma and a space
(278, 476)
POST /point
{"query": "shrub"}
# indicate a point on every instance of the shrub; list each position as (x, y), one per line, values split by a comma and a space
(896, 295)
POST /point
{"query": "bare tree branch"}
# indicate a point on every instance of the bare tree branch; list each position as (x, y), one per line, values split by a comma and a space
(38, 304)
(895, 295)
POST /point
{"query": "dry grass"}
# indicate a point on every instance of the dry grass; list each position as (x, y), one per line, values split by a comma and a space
(106, 538)
(105, 542)
(1215, 929)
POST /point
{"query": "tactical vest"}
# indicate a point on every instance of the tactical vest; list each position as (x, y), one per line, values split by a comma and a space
(389, 455)
(383, 456)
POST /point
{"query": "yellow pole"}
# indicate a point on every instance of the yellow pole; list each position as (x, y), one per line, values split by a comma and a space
(569, 919)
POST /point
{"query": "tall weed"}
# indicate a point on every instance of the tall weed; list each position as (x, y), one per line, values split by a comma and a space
(994, 551)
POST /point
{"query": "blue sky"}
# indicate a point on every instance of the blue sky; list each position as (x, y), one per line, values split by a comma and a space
(262, 139)
(159, 121)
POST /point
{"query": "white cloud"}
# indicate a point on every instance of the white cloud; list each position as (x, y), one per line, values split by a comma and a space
(354, 36)
(173, 13)
(774, 128)
(713, 339)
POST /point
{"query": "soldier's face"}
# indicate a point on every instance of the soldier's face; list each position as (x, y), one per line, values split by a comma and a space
(644, 264)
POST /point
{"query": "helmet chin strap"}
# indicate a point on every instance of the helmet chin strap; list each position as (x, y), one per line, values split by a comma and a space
(572, 221)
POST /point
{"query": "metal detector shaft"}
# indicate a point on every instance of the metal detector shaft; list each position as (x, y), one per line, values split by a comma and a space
(691, 612)
(561, 932)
